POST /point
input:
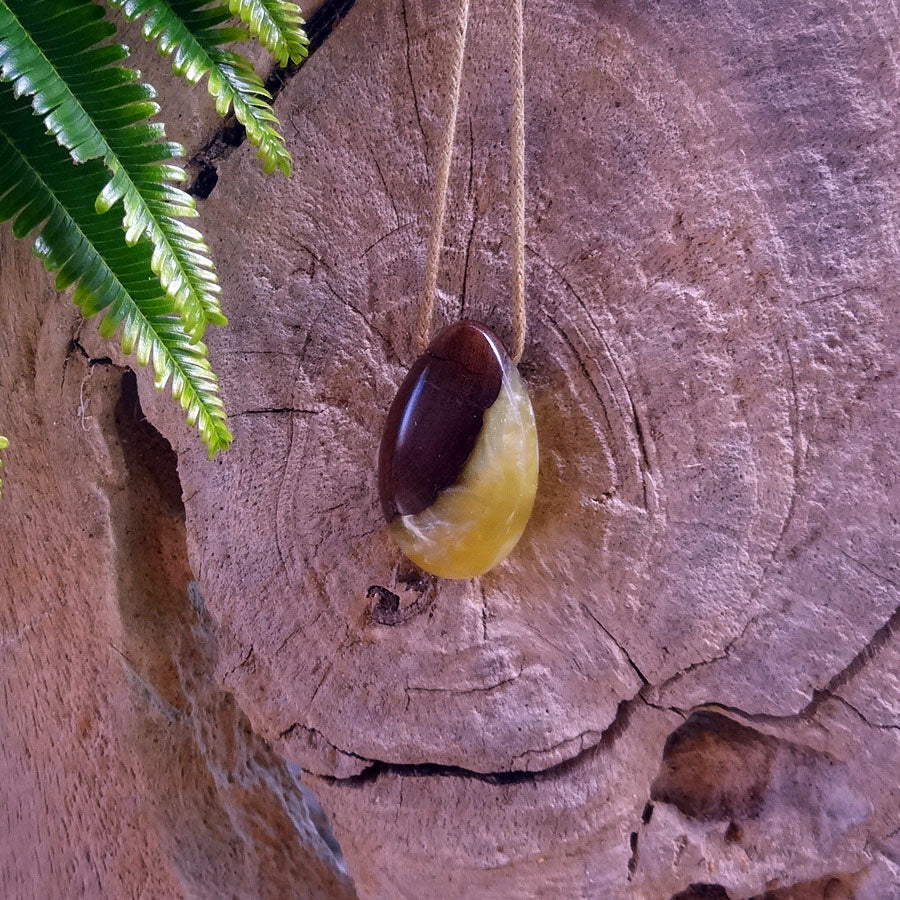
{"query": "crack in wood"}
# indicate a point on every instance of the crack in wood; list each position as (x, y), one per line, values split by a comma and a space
(586, 610)
(366, 320)
(387, 189)
(397, 228)
(512, 775)
(465, 280)
(275, 410)
(239, 665)
(412, 83)
(644, 465)
(231, 134)
(463, 691)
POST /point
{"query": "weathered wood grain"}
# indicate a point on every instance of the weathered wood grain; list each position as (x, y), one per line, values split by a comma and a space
(126, 768)
(712, 359)
(713, 198)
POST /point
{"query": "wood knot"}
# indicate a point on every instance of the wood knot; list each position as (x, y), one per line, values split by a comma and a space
(387, 603)
(413, 592)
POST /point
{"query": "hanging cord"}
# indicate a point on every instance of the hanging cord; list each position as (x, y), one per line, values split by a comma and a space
(435, 238)
(517, 178)
(517, 181)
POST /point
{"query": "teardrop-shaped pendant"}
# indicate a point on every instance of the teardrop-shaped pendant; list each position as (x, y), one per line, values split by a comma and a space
(458, 462)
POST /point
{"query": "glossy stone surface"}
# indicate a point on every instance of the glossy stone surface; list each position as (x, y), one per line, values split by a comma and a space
(458, 463)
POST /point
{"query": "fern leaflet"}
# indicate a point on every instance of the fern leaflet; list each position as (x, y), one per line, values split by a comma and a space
(54, 51)
(42, 193)
(277, 25)
(194, 33)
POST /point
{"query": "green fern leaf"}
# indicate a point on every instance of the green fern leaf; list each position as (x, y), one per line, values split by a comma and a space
(41, 191)
(4, 443)
(277, 25)
(54, 52)
(194, 33)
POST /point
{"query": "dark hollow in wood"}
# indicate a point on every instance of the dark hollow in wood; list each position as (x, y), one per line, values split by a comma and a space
(436, 417)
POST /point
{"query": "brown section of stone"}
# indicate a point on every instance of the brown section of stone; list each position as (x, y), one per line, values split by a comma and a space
(434, 421)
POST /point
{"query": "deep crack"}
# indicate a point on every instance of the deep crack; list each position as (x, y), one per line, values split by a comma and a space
(231, 134)
(378, 767)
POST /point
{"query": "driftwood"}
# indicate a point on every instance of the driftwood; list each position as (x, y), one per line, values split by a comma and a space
(687, 672)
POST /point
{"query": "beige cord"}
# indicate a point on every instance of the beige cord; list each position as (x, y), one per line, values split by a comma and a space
(517, 178)
(517, 181)
(435, 238)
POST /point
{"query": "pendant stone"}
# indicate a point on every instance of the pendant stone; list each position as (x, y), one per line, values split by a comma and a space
(458, 461)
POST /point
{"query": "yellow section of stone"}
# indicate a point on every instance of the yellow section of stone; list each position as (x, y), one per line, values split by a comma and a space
(475, 523)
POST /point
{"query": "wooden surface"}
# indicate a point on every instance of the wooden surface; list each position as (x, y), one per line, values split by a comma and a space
(126, 768)
(712, 271)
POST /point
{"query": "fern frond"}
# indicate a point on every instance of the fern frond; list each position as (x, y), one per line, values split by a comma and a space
(41, 191)
(54, 52)
(277, 25)
(4, 443)
(194, 33)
